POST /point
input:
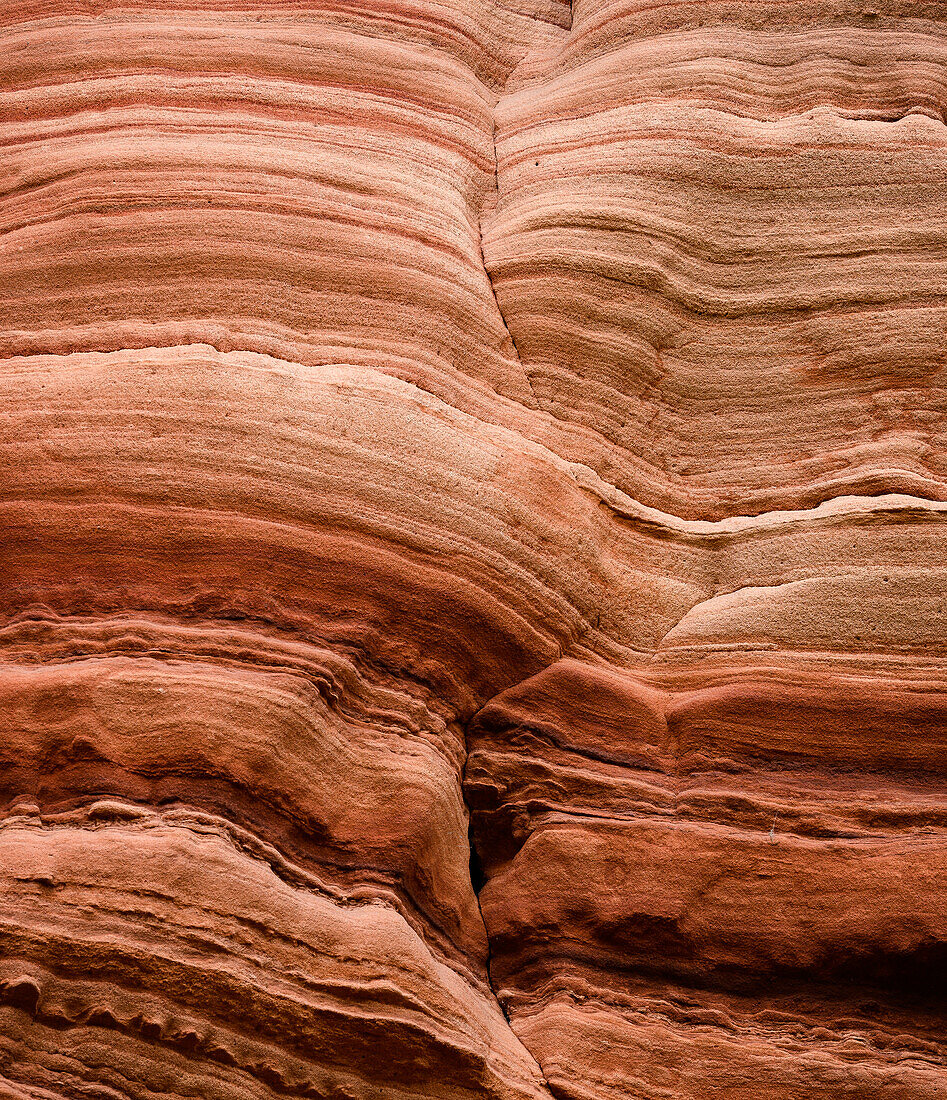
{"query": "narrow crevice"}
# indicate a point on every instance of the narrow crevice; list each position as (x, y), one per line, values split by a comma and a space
(478, 875)
(560, 14)
(493, 202)
(478, 880)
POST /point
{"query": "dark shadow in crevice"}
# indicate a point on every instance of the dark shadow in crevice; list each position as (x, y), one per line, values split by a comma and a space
(478, 878)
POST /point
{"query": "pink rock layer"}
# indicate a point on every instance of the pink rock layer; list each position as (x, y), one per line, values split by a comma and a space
(473, 586)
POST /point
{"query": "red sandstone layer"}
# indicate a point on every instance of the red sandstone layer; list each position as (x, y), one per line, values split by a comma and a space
(505, 422)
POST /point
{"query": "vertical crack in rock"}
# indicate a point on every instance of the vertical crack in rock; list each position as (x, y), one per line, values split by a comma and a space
(478, 877)
(478, 881)
(492, 202)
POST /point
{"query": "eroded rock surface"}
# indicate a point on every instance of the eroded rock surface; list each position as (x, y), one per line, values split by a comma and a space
(492, 421)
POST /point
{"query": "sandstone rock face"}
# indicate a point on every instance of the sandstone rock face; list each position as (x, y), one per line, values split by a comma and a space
(473, 617)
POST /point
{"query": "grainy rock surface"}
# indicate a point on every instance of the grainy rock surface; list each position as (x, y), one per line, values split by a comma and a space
(473, 578)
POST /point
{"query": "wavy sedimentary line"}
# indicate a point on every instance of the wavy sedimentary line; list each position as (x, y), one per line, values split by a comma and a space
(603, 23)
(486, 42)
(776, 1052)
(559, 436)
(621, 948)
(367, 888)
(469, 520)
(37, 636)
(631, 936)
(233, 741)
(312, 1032)
(430, 166)
(759, 73)
(605, 231)
(333, 376)
(882, 505)
(644, 230)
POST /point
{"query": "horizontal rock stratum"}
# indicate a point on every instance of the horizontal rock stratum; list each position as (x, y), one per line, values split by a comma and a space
(473, 487)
